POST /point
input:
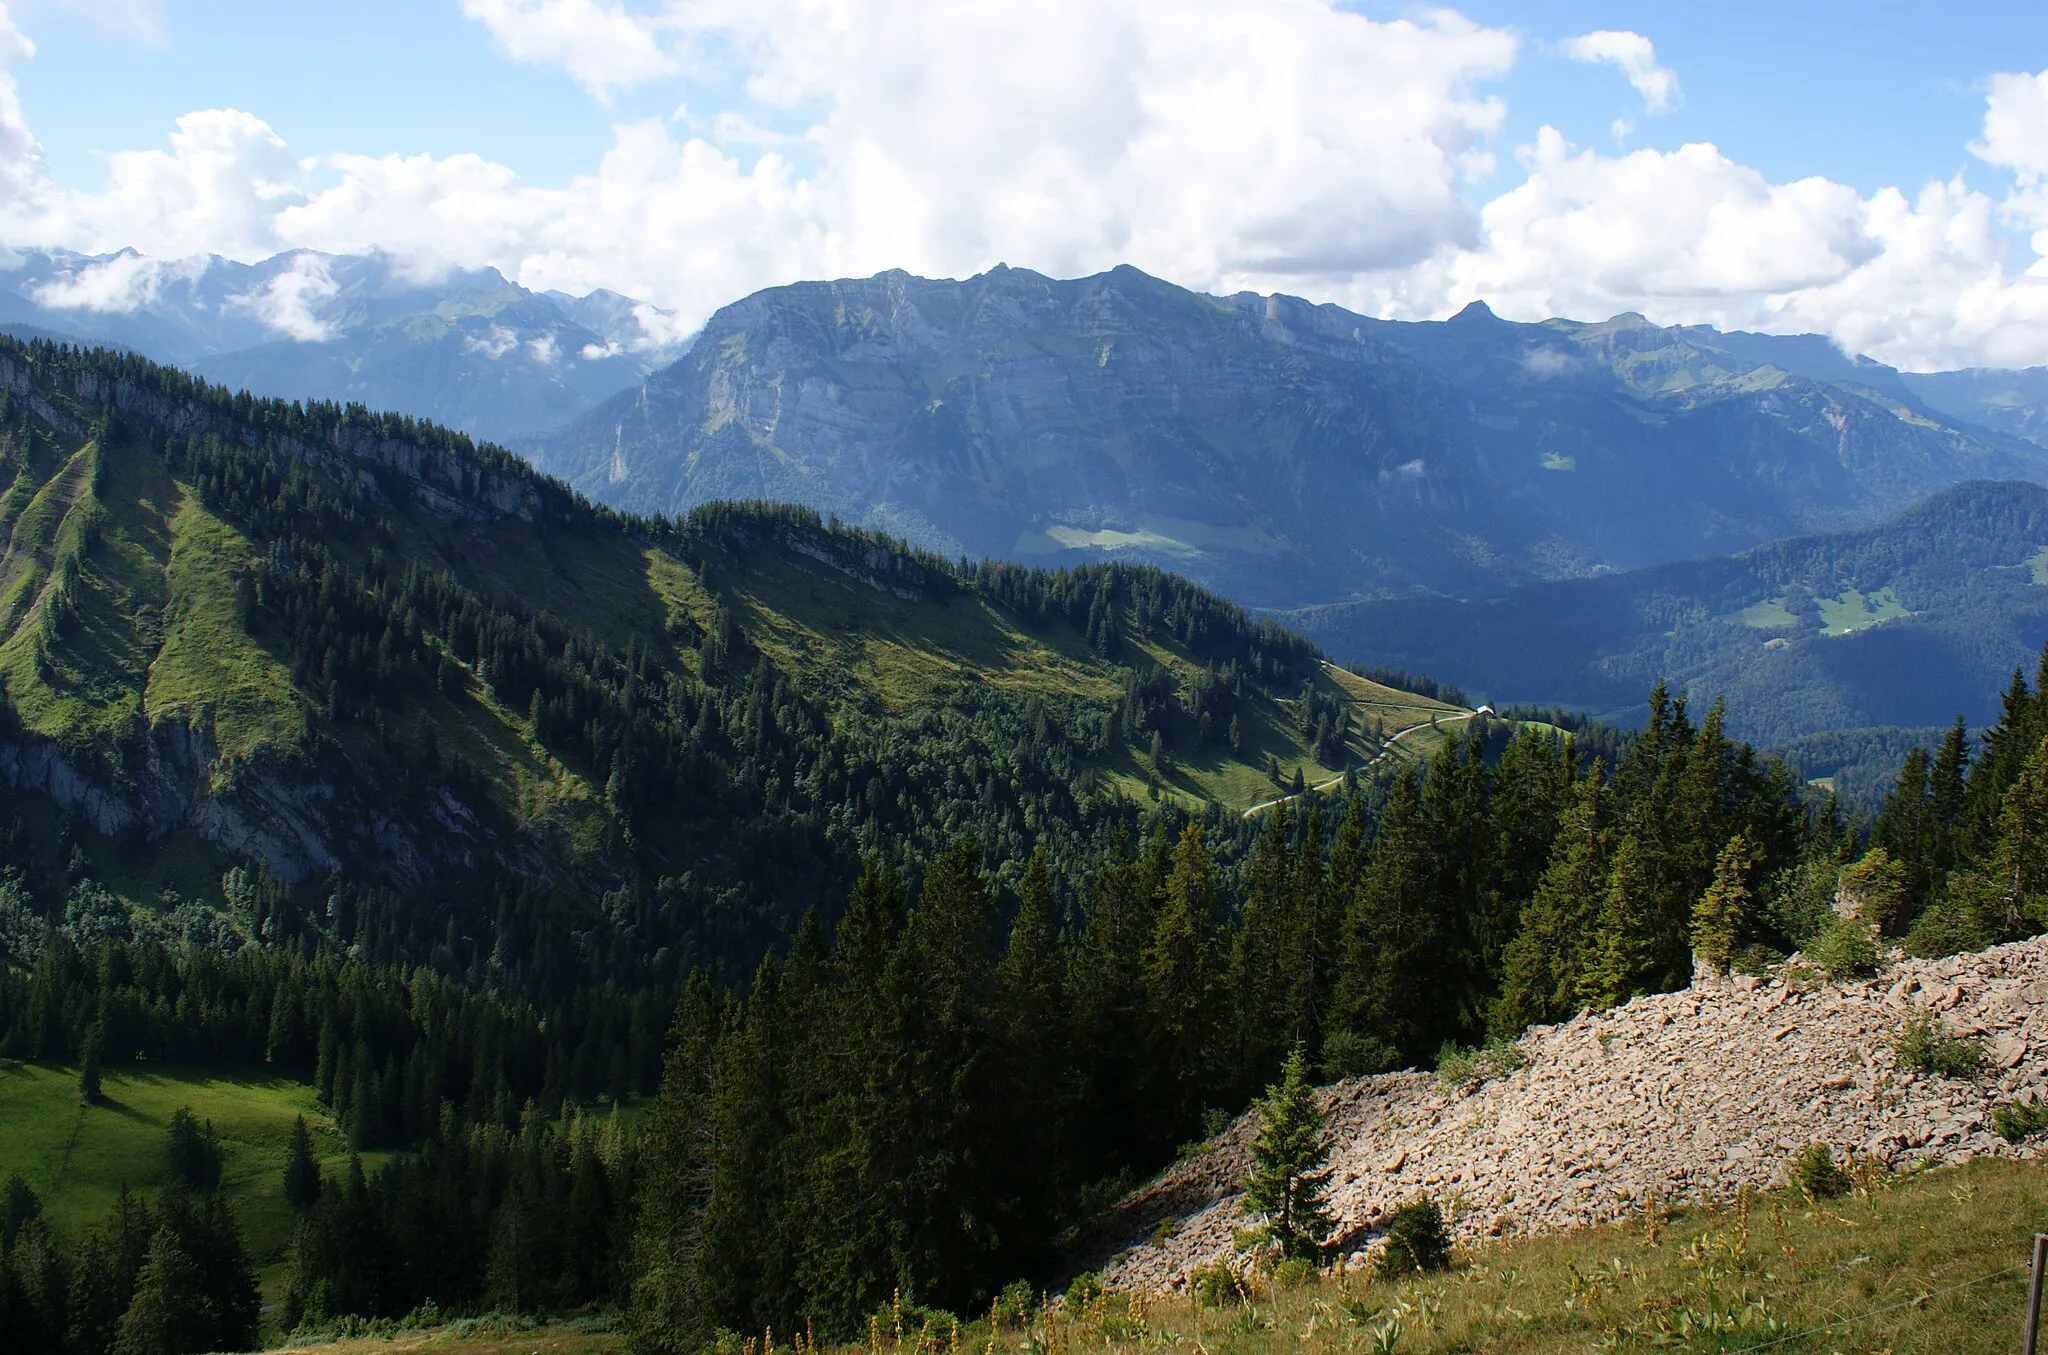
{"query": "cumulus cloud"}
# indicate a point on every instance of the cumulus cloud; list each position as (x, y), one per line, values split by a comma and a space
(603, 47)
(1637, 58)
(123, 283)
(1690, 236)
(1268, 145)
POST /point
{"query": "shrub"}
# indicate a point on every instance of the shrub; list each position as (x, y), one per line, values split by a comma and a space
(1296, 1272)
(1014, 1306)
(1815, 1174)
(1165, 1230)
(1347, 1053)
(1925, 1045)
(1756, 959)
(1216, 1285)
(1944, 929)
(2020, 1121)
(1084, 1288)
(1845, 949)
(1495, 1059)
(1416, 1241)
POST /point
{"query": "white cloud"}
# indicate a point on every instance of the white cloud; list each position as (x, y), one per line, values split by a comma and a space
(495, 343)
(602, 46)
(286, 301)
(1637, 58)
(1690, 236)
(126, 282)
(1269, 145)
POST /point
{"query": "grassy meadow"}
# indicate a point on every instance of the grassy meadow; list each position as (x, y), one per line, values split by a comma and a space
(77, 1157)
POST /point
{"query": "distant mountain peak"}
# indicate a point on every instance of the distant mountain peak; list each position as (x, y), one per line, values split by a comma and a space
(1474, 312)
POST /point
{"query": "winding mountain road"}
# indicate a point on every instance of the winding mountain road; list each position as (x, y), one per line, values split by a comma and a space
(1385, 749)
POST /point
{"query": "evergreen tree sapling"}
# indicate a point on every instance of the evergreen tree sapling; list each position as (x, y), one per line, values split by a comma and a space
(1722, 914)
(1290, 1178)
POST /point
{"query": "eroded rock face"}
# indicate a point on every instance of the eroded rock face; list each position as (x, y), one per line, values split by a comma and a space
(1682, 1096)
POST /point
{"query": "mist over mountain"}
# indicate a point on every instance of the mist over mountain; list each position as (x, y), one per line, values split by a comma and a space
(1284, 453)
(462, 347)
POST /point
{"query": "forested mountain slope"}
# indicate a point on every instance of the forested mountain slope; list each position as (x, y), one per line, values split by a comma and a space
(1283, 453)
(1906, 624)
(458, 714)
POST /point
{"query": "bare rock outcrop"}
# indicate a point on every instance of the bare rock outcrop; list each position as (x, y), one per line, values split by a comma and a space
(1682, 1096)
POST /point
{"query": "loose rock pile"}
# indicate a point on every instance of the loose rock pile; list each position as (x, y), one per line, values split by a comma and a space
(1680, 1096)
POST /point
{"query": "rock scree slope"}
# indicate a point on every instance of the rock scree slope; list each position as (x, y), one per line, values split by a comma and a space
(1685, 1096)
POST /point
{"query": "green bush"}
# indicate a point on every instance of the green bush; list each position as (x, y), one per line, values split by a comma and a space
(1014, 1306)
(2020, 1121)
(1216, 1285)
(1845, 949)
(1925, 1045)
(1815, 1175)
(1944, 929)
(1416, 1241)
(1496, 1059)
(1296, 1272)
(1084, 1288)
(1347, 1053)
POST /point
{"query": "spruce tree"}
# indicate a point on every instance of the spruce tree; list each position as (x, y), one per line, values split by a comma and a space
(1541, 966)
(301, 1169)
(89, 1067)
(193, 1150)
(1722, 914)
(170, 1314)
(1290, 1177)
(1181, 980)
(1624, 958)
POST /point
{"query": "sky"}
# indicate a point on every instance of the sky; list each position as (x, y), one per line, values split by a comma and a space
(1877, 172)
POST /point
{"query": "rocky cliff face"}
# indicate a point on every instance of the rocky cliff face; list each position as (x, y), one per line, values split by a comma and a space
(1284, 452)
(1681, 1096)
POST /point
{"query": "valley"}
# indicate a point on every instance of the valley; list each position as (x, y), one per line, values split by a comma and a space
(355, 770)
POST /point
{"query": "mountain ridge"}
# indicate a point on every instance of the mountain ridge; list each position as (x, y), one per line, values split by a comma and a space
(1907, 623)
(1280, 452)
(463, 347)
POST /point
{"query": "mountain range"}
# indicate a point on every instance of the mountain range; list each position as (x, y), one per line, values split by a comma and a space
(1283, 453)
(462, 347)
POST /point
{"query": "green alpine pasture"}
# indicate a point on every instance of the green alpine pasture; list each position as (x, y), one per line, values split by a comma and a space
(78, 1157)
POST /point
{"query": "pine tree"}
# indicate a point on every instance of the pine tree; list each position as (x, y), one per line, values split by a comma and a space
(89, 1066)
(170, 1314)
(1722, 915)
(193, 1150)
(1626, 940)
(1180, 979)
(301, 1169)
(2007, 896)
(1541, 966)
(1290, 1177)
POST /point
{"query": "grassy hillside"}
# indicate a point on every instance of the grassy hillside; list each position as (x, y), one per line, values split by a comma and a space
(1927, 1265)
(78, 1157)
(350, 651)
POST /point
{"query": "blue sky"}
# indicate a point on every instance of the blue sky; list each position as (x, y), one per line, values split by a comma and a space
(1870, 94)
(1388, 157)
